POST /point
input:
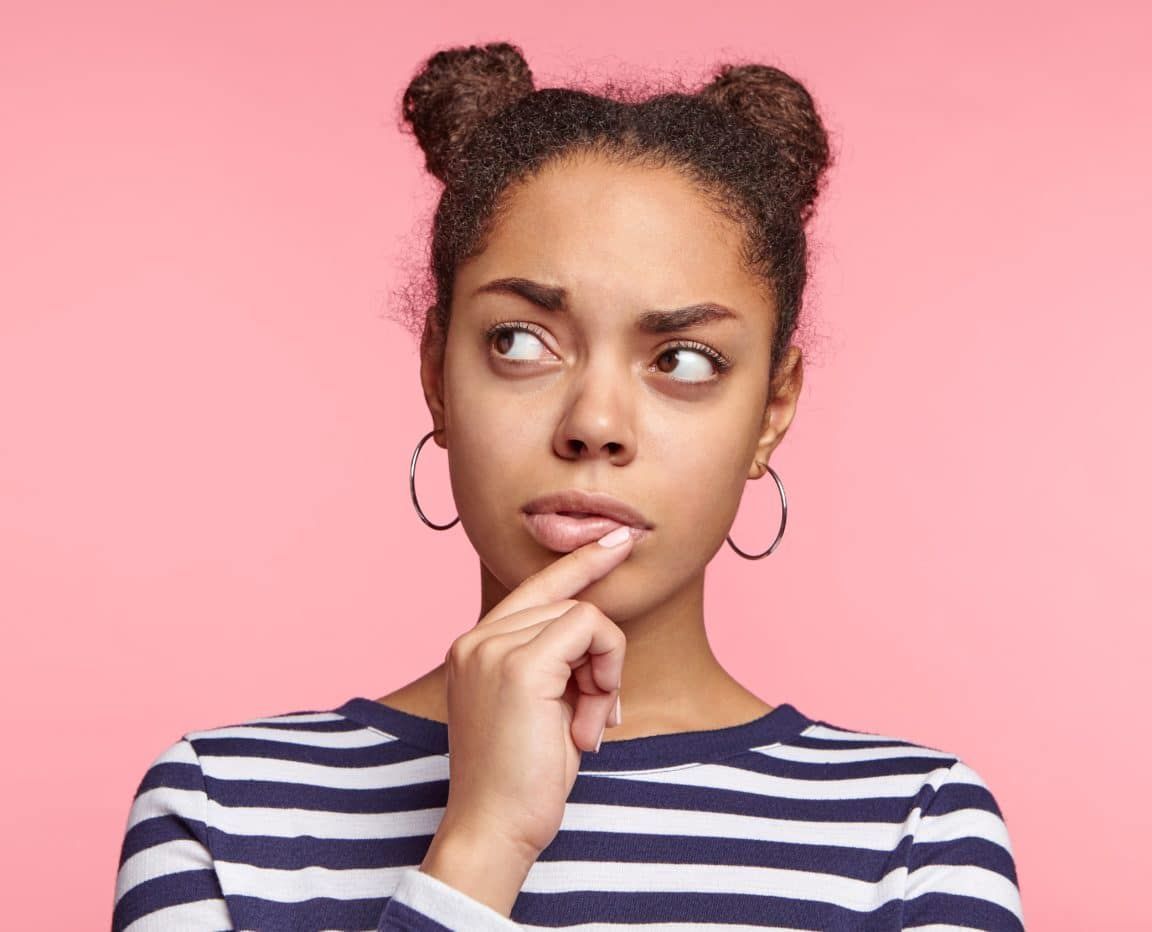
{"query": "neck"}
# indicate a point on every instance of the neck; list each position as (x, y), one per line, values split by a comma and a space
(672, 681)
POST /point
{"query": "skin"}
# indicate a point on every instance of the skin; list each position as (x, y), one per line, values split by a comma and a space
(595, 404)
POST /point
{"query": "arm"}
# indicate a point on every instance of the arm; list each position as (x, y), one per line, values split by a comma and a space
(960, 867)
(460, 885)
(166, 878)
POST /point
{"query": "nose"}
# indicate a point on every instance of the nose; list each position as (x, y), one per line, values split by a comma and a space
(598, 415)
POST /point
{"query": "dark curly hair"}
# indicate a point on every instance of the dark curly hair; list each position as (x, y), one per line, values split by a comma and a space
(751, 140)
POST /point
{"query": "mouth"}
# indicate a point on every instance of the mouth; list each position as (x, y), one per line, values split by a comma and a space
(565, 532)
(563, 521)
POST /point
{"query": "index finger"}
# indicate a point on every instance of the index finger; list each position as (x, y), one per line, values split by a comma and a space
(573, 572)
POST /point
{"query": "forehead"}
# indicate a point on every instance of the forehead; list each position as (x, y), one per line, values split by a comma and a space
(625, 233)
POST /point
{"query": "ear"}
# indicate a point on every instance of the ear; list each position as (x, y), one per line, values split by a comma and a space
(784, 392)
(432, 374)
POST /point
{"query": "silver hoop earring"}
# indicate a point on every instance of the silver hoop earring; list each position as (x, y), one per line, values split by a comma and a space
(783, 521)
(412, 486)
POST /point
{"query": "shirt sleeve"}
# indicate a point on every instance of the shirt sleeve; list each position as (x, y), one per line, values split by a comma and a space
(961, 872)
(422, 901)
(166, 878)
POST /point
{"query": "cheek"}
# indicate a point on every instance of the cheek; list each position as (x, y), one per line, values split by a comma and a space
(697, 512)
(491, 473)
(695, 474)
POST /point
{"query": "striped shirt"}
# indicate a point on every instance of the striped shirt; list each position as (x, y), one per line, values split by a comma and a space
(320, 820)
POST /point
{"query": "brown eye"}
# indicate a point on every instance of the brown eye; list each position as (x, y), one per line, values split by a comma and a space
(701, 369)
(504, 341)
(505, 337)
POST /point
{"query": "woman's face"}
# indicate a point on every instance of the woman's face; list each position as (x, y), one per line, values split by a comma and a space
(586, 397)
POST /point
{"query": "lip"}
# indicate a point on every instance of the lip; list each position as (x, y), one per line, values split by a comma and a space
(564, 533)
(595, 503)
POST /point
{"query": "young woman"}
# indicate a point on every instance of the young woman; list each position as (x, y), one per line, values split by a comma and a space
(608, 360)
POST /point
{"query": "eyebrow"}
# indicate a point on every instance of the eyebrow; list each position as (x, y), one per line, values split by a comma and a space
(554, 298)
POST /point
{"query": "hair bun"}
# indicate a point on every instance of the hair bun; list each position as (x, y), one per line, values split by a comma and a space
(780, 106)
(455, 91)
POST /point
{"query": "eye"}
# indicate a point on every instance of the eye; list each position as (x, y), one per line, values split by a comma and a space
(707, 366)
(704, 364)
(503, 338)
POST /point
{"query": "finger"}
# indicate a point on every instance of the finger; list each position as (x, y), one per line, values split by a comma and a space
(592, 707)
(594, 673)
(583, 632)
(585, 685)
(525, 618)
(583, 635)
(584, 678)
(590, 719)
(577, 682)
(529, 619)
(563, 578)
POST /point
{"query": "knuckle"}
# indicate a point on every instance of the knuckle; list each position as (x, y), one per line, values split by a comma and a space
(583, 611)
(516, 665)
(458, 651)
(487, 650)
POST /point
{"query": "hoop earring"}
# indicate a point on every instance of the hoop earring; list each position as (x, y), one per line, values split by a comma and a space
(783, 522)
(412, 486)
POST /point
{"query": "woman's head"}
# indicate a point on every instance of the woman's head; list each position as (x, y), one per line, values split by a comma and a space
(750, 140)
(583, 219)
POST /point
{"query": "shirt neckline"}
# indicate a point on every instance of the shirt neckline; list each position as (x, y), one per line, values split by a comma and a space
(667, 750)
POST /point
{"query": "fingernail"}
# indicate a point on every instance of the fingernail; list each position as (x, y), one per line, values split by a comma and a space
(616, 537)
(615, 718)
(599, 740)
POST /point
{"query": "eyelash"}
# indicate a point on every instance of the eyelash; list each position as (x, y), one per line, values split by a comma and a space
(720, 362)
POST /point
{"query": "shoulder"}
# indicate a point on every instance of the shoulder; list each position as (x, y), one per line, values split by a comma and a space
(302, 734)
(929, 791)
(297, 735)
(957, 857)
(257, 758)
(864, 753)
(321, 727)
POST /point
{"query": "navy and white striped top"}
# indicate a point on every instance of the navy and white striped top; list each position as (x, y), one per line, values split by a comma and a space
(320, 820)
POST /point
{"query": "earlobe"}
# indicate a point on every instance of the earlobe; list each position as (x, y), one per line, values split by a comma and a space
(758, 470)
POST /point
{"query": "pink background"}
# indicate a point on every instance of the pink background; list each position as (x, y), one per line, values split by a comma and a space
(207, 417)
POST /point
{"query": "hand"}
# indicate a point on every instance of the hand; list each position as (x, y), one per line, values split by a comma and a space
(528, 689)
